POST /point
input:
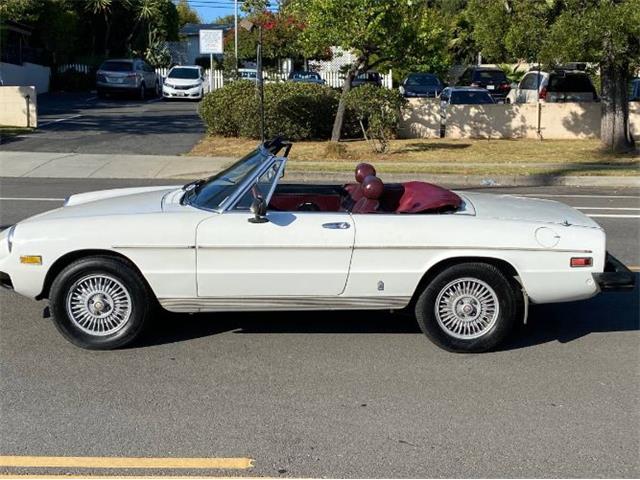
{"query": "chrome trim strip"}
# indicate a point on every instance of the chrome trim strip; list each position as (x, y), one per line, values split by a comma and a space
(247, 304)
(274, 247)
(384, 247)
(441, 247)
(156, 247)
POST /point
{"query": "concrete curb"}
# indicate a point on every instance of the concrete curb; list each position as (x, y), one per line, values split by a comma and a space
(81, 165)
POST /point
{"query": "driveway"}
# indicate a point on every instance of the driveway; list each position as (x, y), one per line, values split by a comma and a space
(82, 123)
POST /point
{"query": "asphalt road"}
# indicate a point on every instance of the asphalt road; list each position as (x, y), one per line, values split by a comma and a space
(341, 394)
(82, 123)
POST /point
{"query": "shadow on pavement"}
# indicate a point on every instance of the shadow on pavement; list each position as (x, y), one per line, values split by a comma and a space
(608, 312)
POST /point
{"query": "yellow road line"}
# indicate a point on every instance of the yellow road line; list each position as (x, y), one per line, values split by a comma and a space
(124, 477)
(126, 462)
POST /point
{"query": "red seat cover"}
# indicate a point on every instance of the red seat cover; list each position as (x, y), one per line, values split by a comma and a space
(422, 196)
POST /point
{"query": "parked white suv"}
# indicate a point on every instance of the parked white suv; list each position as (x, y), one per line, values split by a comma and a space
(185, 81)
(127, 76)
(554, 86)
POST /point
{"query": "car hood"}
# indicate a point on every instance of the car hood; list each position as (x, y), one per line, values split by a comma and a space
(183, 81)
(119, 201)
(510, 207)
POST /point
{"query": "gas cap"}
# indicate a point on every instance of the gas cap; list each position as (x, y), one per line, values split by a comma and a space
(547, 237)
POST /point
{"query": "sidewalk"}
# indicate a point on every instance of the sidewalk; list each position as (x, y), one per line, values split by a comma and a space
(82, 165)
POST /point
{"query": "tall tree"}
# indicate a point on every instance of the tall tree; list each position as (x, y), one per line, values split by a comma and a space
(186, 14)
(605, 32)
(377, 32)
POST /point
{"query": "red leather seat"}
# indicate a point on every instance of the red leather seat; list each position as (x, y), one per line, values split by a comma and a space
(372, 189)
(422, 197)
(363, 170)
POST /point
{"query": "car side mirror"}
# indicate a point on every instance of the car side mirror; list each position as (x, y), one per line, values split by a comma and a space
(259, 210)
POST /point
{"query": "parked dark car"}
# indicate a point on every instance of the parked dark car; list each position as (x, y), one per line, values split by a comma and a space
(127, 76)
(304, 76)
(465, 96)
(491, 78)
(367, 78)
(421, 85)
(634, 94)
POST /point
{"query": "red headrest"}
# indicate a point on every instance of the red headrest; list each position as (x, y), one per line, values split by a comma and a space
(363, 170)
(372, 187)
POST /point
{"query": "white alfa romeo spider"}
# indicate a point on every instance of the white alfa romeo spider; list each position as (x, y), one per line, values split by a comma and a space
(468, 264)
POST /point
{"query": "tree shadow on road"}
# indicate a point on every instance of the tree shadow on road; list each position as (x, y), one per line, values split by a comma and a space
(608, 312)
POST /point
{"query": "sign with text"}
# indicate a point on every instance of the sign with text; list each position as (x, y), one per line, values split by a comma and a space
(211, 41)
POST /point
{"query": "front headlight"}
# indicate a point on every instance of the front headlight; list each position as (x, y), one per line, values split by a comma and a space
(12, 230)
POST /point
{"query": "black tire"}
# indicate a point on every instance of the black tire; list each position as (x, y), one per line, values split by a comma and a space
(141, 302)
(508, 301)
(102, 95)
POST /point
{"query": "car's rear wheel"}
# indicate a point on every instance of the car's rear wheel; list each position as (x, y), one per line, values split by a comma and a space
(469, 307)
(100, 303)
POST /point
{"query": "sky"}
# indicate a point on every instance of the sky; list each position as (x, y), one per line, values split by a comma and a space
(209, 10)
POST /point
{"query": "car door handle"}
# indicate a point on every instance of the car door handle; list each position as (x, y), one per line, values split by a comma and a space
(336, 225)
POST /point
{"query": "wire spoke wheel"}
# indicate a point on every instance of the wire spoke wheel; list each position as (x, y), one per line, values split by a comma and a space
(467, 308)
(98, 304)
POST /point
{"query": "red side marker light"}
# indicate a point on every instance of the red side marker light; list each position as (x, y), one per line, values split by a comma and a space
(581, 261)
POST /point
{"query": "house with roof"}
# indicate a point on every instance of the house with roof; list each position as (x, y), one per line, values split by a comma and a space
(187, 50)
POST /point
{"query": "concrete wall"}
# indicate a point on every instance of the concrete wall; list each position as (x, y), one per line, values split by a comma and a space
(13, 107)
(421, 119)
(27, 74)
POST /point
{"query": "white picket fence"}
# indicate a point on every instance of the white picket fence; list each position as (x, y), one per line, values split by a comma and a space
(334, 79)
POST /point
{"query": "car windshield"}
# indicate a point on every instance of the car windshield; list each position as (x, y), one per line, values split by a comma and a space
(490, 76)
(306, 76)
(423, 80)
(211, 194)
(462, 97)
(186, 73)
(117, 66)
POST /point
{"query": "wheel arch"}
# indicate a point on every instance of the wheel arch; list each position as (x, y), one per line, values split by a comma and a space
(68, 258)
(504, 266)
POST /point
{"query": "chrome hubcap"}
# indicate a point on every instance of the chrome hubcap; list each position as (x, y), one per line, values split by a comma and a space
(99, 304)
(467, 308)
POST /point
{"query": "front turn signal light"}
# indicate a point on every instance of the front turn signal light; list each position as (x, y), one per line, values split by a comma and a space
(31, 259)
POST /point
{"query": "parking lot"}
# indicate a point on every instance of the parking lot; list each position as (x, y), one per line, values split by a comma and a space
(341, 394)
(82, 123)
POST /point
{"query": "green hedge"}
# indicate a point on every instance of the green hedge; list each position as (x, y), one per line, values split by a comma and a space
(299, 111)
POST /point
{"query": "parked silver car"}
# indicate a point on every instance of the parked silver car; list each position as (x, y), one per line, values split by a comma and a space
(134, 76)
(555, 86)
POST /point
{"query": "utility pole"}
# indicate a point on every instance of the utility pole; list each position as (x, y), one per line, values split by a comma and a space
(235, 30)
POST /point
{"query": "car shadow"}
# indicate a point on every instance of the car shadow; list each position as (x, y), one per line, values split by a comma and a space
(563, 323)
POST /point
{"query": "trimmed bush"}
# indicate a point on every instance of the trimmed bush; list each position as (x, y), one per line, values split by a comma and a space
(377, 111)
(299, 111)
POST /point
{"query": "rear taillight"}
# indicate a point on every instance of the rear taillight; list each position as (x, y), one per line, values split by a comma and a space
(543, 93)
(581, 262)
(504, 86)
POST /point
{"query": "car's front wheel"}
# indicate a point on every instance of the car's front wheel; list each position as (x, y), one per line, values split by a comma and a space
(100, 303)
(469, 307)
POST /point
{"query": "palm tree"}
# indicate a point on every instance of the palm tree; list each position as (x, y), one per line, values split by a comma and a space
(101, 7)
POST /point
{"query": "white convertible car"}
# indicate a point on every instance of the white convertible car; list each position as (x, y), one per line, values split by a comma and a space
(467, 264)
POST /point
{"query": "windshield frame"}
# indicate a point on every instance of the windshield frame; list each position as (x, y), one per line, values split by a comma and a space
(229, 203)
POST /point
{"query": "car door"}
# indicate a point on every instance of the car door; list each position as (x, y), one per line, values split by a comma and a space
(297, 253)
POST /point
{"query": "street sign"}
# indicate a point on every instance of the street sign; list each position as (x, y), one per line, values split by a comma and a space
(211, 41)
